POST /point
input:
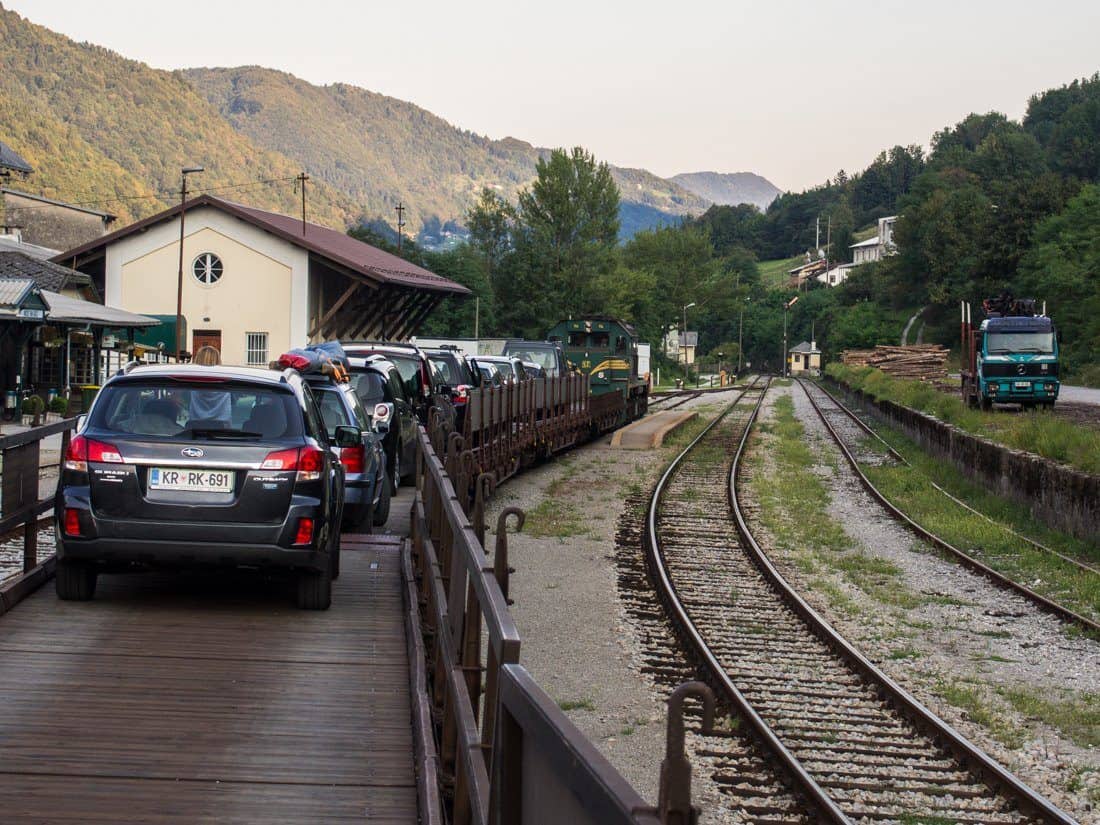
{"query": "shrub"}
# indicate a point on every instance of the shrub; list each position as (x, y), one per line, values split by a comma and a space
(33, 405)
(59, 405)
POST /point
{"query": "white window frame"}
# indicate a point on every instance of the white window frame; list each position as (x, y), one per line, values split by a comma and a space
(254, 355)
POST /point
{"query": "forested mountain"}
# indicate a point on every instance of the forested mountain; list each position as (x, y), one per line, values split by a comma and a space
(114, 133)
(111, 132)
(730, 189)
(381, 150)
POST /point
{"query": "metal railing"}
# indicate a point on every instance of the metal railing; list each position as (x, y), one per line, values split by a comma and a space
(507, 755)
(21, 506)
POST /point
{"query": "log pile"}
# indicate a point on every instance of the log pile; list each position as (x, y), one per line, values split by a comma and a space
(920, 362)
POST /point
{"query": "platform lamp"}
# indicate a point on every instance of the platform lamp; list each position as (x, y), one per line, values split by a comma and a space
(187, 170)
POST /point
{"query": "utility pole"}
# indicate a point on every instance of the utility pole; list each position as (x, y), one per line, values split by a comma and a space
(400, 209)
(187, 170)
(301, 181)
(786, 309)
(477, 316)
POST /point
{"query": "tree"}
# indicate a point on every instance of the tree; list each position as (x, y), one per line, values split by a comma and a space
(490, 224)
(454, 318)
(568, 222)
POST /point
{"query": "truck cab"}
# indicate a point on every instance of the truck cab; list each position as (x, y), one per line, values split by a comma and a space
(1017, 361)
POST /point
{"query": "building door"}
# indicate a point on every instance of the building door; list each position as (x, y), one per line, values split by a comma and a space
(206, 338)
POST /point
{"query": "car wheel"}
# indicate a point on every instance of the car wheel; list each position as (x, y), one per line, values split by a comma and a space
(315, 589)
(74, 581)
(382, 508)
(358, 519)
(334, 558)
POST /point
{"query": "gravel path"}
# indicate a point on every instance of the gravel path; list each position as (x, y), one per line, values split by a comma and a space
(946, 627)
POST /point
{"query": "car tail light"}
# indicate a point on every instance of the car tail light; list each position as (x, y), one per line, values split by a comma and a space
(82, 450)
(381, 413)
(72, 522)
(304, 534)
(308, 462)
(461, 394)
(354, 459)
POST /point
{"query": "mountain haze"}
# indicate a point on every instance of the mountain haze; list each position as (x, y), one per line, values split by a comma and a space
(731, 188)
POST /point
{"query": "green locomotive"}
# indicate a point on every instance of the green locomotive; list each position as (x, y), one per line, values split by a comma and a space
(606, 350)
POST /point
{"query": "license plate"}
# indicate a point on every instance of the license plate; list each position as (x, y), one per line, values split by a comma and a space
(1022, 385)
(193, 481)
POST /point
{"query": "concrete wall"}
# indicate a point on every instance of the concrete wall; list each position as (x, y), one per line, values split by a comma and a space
(1063, 498)
(263, 288)
(52, 225)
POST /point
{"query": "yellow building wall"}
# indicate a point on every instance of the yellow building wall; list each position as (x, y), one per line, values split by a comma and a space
(253, 294)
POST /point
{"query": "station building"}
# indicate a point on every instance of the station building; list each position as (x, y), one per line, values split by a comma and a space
(256, 283)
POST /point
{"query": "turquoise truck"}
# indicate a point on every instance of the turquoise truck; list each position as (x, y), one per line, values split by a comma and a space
(1011, 357)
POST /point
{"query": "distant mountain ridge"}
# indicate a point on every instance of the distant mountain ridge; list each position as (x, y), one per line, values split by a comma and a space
(731, 188)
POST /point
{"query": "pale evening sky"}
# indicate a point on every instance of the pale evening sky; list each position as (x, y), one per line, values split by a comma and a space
(793, 91)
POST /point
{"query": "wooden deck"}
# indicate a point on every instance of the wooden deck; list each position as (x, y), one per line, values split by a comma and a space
(201, 698)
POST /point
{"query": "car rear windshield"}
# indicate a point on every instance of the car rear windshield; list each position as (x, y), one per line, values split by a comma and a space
(452, 371)
(170, 409)
(370, 387)
(545, 358)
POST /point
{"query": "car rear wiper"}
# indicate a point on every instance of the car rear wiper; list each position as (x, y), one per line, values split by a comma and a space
(998, 350)
(215, 434)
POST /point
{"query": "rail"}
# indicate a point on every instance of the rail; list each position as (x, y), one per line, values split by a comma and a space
(21, 506)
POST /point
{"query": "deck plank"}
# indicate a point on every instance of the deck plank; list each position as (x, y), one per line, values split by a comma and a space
(205, 697)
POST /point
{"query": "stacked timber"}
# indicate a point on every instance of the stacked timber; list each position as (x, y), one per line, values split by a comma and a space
(919, 362)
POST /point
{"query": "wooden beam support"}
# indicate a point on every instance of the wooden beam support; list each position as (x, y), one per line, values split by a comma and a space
(343, 299)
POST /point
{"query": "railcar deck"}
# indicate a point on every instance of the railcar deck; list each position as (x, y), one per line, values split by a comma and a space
(197, 697)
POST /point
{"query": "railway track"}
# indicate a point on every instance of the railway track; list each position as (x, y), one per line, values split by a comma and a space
(838, 419)
(843, 742)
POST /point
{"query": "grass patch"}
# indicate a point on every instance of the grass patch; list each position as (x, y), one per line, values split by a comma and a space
(775, 274)
(969, 699)
(1036, 431)
(905, 653)
(577, 704)
(1077, 717)
(554, 518)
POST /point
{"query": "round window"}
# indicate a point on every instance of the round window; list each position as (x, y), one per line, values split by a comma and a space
(207, 268)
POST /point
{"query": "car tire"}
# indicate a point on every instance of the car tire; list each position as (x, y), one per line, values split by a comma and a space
(395, 477)
(334, 558)
(315, 589)
(75, 581)
(358, 519)
(382, 508)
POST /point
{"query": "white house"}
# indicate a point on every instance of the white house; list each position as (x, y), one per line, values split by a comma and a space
(837, 275)
(878, 247)
(256, 283)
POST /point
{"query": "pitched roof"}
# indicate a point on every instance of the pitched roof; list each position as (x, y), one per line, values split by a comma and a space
(107, 216)
(869, 242)
(12, 243)
(12, 290)
(805, 346)
(337, 247)
(64, 309)
(10, 160)
(47, 275)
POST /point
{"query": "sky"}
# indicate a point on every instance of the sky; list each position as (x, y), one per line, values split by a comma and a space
(794, 91)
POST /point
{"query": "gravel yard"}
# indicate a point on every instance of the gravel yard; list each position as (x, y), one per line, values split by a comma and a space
(578, 641)
(983, 658)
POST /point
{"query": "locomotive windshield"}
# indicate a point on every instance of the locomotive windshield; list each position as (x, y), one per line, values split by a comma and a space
(1003, 342)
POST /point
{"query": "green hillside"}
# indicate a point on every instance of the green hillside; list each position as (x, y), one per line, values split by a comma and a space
(381, 150)
(114, 133)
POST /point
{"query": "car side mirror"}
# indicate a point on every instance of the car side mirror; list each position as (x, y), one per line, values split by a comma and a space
(445, 390)
(81, 420)
(348, 436)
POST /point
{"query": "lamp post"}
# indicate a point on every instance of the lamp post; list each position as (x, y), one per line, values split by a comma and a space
(187, 170)
(786, 308)
(683, 332)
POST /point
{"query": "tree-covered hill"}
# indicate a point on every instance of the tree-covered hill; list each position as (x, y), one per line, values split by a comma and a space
(381, 150)
(114, 133)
